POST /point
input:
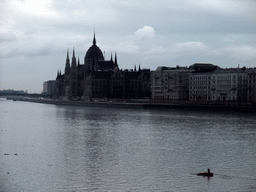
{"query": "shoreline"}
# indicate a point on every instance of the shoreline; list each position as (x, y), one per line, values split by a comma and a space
(145, 104)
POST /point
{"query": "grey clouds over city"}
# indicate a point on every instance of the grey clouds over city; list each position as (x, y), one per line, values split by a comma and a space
(35, 35)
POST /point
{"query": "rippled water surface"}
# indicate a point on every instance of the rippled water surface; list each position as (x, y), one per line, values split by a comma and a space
(64, 148)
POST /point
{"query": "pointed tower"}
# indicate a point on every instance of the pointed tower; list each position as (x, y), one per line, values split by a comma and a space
(78, 62)
(139, 68)
(73, 65)
(111, 58)
(94, 39)
(135, 68)
(67, 68)
(73, 77)
(58, 75)
(115, 59)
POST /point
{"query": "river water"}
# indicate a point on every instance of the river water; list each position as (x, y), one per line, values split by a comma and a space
(67, 148)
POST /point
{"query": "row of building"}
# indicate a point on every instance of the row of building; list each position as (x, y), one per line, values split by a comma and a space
(101, 78)
(203, 82)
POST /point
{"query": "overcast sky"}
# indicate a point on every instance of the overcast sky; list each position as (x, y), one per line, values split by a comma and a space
(35, 35)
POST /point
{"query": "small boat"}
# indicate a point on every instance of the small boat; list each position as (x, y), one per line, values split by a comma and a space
(207, 174)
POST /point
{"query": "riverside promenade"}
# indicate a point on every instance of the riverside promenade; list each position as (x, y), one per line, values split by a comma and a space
(147, 103)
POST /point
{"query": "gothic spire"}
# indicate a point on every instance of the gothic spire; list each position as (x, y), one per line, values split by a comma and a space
(67, 54)
(67, 63)
(73, 52)
(73, 64)
(139, 67)
(115, 59)
(135, 68)
(57, 75)
(94, 39)
(67, 60)
(111, 59)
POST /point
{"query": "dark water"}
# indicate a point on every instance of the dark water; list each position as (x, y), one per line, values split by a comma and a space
(63, 148)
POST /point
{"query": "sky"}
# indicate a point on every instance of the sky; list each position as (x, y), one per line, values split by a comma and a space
(35, 35)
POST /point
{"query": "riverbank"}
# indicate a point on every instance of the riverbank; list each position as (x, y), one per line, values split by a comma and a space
(147, 104)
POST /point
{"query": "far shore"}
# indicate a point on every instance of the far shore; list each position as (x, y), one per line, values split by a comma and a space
(148, 103)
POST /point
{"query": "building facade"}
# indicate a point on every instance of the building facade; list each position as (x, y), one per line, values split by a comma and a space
(229, 84)
(200, 81)
(100, 78)
(251, 88)
(49, 87)
(182, 83)
(199, 86)
(220, 85)
(170, 83)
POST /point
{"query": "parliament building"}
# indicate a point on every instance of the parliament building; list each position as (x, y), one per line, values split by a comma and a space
(100, 78)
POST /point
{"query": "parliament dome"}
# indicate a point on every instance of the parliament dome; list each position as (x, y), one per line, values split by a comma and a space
(94, 52)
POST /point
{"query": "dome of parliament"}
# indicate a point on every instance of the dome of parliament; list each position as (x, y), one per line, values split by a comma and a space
(94, 52)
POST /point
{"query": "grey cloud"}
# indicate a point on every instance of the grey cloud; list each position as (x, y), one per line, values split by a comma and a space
(29, 32)
(8, 36)
(40, 51)
(245, 53)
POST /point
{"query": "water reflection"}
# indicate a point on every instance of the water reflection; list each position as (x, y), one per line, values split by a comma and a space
(90, 145)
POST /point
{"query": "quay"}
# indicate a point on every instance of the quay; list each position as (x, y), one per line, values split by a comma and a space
(147, 103)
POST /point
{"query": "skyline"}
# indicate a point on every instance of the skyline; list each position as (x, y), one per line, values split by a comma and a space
(35, 35)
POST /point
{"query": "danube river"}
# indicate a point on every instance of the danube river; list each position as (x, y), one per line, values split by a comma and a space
(66, 148)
